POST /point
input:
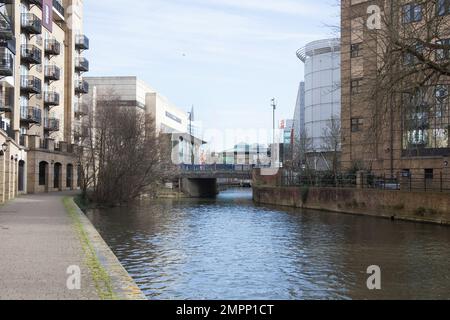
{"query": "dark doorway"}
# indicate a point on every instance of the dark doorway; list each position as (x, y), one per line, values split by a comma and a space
(57, 176)
(21, 176)
(69, 177)
(43, 167)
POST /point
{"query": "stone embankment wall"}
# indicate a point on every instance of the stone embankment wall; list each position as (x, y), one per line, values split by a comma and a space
(401, 205)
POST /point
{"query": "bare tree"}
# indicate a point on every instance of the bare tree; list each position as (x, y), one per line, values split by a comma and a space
(332, 142)
(303, 144)
(122, 156)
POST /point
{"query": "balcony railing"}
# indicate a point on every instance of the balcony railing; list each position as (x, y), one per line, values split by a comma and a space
(6, 30)
(31, 24)
(52, 73)
(51, 124)
(31, 54)
(81, 87)
(81, 42)
(58, 7)
(6, 63)
(5, 108)
(30, 84)
(35, 2)
(51, 98)
(80, 109)
(52, 47)
(30, 115)
(81, 65)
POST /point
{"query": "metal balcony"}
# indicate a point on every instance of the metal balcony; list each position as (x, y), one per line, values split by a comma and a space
(31, 24)
(6, 63)
(6, 27)
(58, 7)
(30, 115)
(52, 73)
(81, 65)
(51, 98)
(30, 85)
(51, 124)
(80, 109)
(4, 107)
(81, 42)
(81, 87)
(35, 2)
(52, 47)
(9, 44)
(31, 54)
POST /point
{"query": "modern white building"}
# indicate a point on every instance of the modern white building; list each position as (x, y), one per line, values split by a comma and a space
(169, 119)
(322, 61)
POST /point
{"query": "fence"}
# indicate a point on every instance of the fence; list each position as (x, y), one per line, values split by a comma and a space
(439, 182)
(218, 167)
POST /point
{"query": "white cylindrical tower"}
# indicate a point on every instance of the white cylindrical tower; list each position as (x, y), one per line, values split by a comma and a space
(322, 87)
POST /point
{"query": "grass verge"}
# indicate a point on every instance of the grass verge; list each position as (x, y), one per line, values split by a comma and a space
(102, 281)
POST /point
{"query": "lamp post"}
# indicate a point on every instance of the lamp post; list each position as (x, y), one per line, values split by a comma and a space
(274, 107)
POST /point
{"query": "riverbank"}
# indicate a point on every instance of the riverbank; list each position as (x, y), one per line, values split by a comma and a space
(44, 240)
(396, 205)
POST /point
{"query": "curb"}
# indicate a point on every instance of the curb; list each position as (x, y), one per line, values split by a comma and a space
(123, 285)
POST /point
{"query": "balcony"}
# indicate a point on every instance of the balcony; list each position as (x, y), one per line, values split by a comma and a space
(6, 63)
(80, 109)
(4, 107)
(31, 54)
(81, 42)
(6, 28)
(52, 47)
(51, 98)
(81, 65)
(81, 87)
(35, 2)
(31, 24)
(51, 124)
(30, 115)
(58, 7)
(30, 85)
(52, 73)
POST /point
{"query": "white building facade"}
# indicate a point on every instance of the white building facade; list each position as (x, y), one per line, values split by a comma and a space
(322, 92)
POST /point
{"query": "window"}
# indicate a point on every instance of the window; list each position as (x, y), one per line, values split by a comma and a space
(355, 50)
(412, 12)
(444, 52)
(442, 7)
(356, 86)
(410, 58)
(429, 174)
(357, 124)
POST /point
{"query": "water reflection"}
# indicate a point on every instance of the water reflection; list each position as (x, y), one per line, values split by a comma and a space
(230, 249)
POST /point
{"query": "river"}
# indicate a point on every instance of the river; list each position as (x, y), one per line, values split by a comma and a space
(228, 248)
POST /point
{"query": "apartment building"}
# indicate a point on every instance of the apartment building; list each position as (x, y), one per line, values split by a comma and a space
(41, 87)
(409, 137)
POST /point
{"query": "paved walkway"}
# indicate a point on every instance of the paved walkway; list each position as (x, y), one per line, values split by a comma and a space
(37, 245)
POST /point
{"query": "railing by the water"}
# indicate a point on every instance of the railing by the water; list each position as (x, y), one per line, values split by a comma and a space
(438, 182)
(218, 167)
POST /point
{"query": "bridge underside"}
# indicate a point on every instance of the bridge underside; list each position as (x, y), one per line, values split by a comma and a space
(199, 187)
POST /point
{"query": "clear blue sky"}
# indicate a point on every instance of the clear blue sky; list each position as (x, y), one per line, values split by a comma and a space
(228, 58)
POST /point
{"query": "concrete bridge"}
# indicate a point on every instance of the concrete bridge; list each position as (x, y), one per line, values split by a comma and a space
(200, 181)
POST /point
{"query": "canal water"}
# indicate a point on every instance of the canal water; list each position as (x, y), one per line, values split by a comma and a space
(228, 248)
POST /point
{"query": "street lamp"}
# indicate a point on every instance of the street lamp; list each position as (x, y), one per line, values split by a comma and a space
(274, 106)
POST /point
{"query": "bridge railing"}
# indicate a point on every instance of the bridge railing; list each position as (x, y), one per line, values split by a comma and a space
(218, 167)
